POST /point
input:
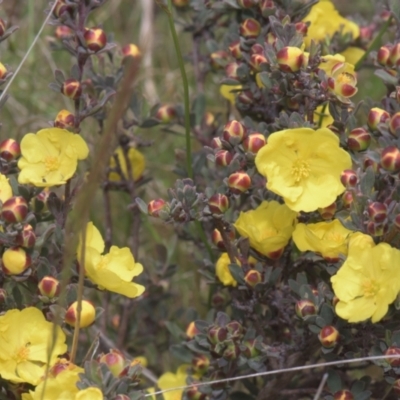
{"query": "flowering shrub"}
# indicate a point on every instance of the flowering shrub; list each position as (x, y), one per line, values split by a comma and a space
(272, 243)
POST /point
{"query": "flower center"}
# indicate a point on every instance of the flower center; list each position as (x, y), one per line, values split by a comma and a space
(22, 353)
(51, 163)
(102, 264)
(370, 288)
(345, 77)
(335, 237)
(300, 170)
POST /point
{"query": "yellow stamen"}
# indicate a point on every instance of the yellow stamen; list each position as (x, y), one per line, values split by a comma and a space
(51, 163)
(300, 170)
(370, 288)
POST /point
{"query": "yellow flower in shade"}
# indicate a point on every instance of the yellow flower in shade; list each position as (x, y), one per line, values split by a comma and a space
(229, 92)
(304, 166)
(322, 117)
(136, 160)
(330, 239)
(325, 21)
(222, 270)
(5, 189)
(26, 338)
(368, 281)
(50, 157)
(170, 380)
(113, 271)
(352, 54)
(269, 227)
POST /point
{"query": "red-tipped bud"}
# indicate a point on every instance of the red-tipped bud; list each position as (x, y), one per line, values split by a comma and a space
(239, 182)
(231, 70)
(376, 229)
(71, 88)
(250, 349)
(290, 59)
(396, 387)
(349, 178)
(343, 395)
(377, 116)
(216, 143)
(246, 97)
(216, 238)
(246, 3)
(49, 287)
(267, 8)
(329, 336)
(88, 314)
(200, 364)
(257, 61)
(218, 203)
(235, 329)
(217, 335)
(2, 27)
(130, 50)
(193, 393)
(377, 211)
(394, 124)
(155, 206)
(64, 119)
(234, 132)
(369, 162)
(61, 8)
(15, 261)
(95, 39)
(223, 158)
(166, 113)
(209, 120)
(257, 48)
(14, 209)
(235, 50)
(383, 55)
(63, 32)
(218, 59)
(180, 3)
(27, 237)
(114, 360)
(253, 277)
(301, 27)
(191, 330)
(3, 71)
(270, 38)
(218, 300)
(390, 159)
(393, 351)
(328, 212)
(359, 139)
(250, 28)
(394, 57)
(275, 255)
(10, 149)
(305, 308)
(347, 199)
(254, 142)
(232, 351)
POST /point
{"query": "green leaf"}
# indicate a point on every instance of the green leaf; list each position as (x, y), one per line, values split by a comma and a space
(394, 7)
(199, 108)
(181, 353)
(334, 382)
(174, 329)
(367, 181)
(237, 273)
(363, 396)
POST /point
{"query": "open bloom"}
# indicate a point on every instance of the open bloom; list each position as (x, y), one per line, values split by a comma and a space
(170, 380)
(328, 238)
(5, 189)
(50, 157)
(368, 281)
(304, 166)
(136, 161)
(268, 227)
(113, 271)
(325, 21)
(25, 341)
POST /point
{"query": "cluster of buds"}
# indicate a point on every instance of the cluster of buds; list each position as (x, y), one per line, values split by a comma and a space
(389, 56)
(377, 213)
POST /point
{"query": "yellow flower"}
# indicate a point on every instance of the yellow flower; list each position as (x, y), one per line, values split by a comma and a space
(352, 54)
(368, 281)
(136, 160)
(230, 92)
(50, 157)
(304, 166)
(222, 270)
(24, 346)
(113, 271)
(325, 21)
(268, 227)
(328, 238)
(323, 115)
(170, 380)
(5, 189)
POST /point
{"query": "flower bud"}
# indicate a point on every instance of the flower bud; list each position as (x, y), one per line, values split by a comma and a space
(393, 351)
(216, 238)
(200, 364)
(250, 349)
(61, 8)
(343, 395)
(15, 261)
(49, 287)
(267, 8)
(270, 38)
(396, 387)
(329, 336)
(155, 206)
(193, 393)
(246, 97)
(88, 314)
(328, 212)
(394, 124)
(347, 199)
(250, 28)
(349, 178)
(290, 59)
(383, 55)
(234, 132)
(114, 360)
(239, 182)
(246, 3)
(218, 203)
(394, 57)
(359, 139)
(130, 50)
(235, 50)
(253, 277)
(301, 27)
(231, 70)
(39, 202)
(180, 3)
(27, 237)
(390, 159)
(191, 330)
(63, 32)
(257, 61)
(257, 48)
(10, 149)
(235, 329)
(2, 27)
(304, 308)
(217, 334)
(377, 211)
(254, 142)
(223, 158)
(275, 255)
(218, 300)
(166, 113)
(95, 39)
(369, 162)
(3, 71)
(377, 116)
(218, 59)
(15, 209)
(376, 229)
(71, 88)
(64, 119)
(216, 143)
(232, 351)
